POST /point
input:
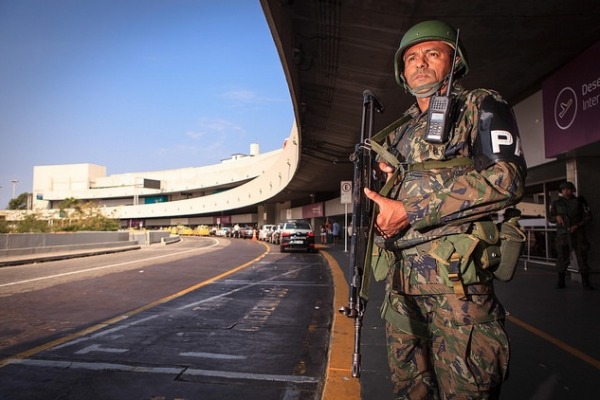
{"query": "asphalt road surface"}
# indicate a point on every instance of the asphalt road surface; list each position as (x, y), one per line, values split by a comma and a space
(202, 319)
(234, 318)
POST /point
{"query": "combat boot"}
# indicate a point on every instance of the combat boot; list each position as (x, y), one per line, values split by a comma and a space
(585, 280)
(561, 280)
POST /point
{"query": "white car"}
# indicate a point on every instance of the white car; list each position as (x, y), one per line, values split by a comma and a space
(224, 232)
(296, 234)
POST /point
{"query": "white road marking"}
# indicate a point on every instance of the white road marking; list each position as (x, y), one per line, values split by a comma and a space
(104, 332)
(105, 266)
(98, 348)
(249, 375)
(196, 303)
(213, 355)
(97, 366)
(182, 371)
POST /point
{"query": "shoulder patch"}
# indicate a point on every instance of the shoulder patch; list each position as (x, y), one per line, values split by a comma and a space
(497, 135)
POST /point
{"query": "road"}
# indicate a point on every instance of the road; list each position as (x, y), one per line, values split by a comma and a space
(206, 318)
(234, 318)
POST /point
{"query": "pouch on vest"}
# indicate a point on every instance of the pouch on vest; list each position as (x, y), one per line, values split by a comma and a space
(513, 240)
(461, 246)
(487, 254)
(499, 251)
(379, 263)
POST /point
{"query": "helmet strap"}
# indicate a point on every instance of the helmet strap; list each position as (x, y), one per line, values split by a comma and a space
(427, 89)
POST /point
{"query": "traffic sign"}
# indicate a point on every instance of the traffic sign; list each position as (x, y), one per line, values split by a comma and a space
(346, 192)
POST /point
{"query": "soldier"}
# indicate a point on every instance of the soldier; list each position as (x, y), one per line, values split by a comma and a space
(445, 326)
(571, 213)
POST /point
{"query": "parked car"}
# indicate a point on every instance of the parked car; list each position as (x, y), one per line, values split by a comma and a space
(184, 230)
(247, 232)
(296, 234)
(265, 232)
(225, 231)
(202, 230)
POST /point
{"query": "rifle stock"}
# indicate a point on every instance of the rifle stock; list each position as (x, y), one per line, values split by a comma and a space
(362, 223)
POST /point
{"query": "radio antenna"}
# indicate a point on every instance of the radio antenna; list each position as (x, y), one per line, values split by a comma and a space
(449, 91)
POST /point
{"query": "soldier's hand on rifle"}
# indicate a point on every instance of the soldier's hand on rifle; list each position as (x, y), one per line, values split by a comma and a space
(392, 216)
(387, 169)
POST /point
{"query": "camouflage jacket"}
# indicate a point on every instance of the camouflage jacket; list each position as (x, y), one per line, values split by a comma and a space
(445, 200)
(573, 211)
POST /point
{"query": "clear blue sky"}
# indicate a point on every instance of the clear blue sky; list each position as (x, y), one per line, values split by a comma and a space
(135, 85)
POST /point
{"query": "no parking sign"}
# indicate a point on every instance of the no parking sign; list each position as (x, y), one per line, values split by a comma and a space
(346, 192)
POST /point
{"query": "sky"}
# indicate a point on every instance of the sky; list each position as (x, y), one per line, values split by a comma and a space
(135, 85)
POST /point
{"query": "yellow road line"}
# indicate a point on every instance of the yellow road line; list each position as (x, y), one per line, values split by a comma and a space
(339, 383)
(28, 353)
(569, 349)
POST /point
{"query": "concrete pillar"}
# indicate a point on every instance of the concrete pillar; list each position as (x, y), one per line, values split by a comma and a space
(583, 172)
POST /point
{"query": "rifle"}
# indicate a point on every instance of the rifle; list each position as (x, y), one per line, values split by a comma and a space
(565, 228)
(573, 261)
(362, 221)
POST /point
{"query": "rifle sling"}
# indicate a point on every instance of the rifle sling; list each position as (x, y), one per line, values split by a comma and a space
(439, 164)
(399, 167)
(367, 267)
(382, 134)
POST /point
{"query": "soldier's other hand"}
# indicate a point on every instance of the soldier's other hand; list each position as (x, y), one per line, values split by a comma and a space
(392, 216)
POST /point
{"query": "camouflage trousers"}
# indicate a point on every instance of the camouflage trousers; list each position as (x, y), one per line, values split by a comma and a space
(579, 244)
(455, 360)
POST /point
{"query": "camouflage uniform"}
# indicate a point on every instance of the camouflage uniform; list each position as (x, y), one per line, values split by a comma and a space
(441, 344)
(571, 209)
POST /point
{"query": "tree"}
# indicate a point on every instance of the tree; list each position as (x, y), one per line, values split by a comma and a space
(69, 202)
(4, 228)
(19, 202)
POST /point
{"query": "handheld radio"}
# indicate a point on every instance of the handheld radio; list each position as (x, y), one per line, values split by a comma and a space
(440, 108)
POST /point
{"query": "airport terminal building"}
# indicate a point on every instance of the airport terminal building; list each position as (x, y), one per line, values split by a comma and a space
(243, 189)
(225, 193)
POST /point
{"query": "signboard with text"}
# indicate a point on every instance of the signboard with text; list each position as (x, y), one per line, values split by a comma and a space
(223, 219)
(571, 101)
(314, 210)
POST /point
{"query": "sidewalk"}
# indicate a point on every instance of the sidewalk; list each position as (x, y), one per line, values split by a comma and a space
(63, 255)
(554, 340)
(375, 381)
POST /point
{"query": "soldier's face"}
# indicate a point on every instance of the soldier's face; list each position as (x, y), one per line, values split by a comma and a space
(567, 192)
(427, 62)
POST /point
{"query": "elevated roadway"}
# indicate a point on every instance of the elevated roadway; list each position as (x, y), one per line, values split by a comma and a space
(332, 51)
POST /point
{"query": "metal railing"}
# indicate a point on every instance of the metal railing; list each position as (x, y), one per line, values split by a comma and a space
(539, 248)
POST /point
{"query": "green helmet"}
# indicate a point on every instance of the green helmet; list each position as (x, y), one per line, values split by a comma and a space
(424, 32)
(567, 185)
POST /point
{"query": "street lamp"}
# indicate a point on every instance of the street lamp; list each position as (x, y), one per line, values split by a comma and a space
(14, 183)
